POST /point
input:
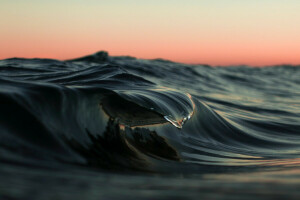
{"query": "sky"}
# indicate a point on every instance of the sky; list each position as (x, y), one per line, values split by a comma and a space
(215, 32)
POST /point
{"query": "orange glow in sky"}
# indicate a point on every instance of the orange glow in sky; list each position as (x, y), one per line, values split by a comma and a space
(227, 32)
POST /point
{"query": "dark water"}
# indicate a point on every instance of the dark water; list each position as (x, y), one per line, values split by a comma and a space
(103, 127)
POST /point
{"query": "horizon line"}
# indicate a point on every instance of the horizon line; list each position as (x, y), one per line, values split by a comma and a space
(154, 58)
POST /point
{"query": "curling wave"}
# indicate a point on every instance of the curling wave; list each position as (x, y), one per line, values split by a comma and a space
(122, 113)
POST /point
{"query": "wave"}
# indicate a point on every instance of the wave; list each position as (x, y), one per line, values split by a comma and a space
(122, 113)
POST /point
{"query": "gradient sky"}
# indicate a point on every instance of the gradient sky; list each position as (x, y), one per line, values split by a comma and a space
(216, 32)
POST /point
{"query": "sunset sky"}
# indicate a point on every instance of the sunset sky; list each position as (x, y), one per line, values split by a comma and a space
(216, 32)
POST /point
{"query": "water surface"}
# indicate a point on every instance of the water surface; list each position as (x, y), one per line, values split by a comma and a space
(119, 127)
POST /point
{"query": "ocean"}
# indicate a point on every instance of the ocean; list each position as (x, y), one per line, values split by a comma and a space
(117, 127)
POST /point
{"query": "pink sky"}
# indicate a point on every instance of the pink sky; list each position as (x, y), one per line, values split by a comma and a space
(228, 33)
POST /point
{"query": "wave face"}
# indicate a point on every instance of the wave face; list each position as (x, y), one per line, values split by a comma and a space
(108, 115)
